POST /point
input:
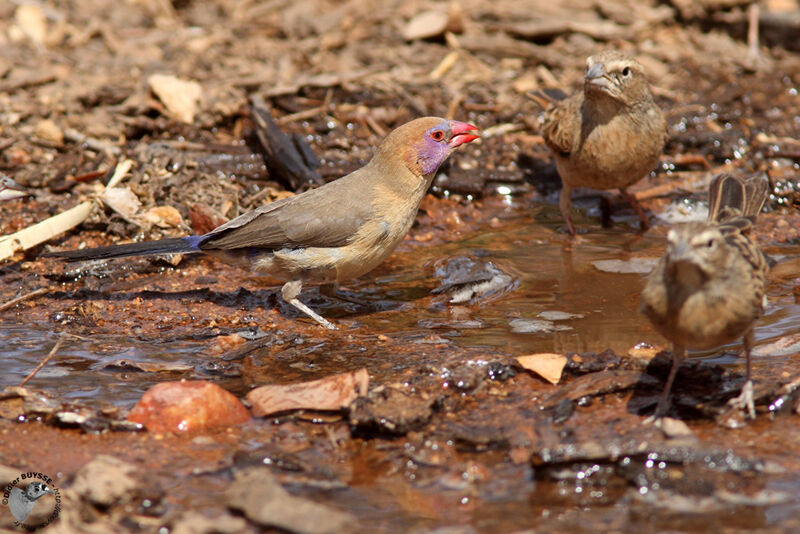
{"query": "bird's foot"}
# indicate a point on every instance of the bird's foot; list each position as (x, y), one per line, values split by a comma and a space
(311, 313)
(570, 226)
(644, 220)
(745, 400)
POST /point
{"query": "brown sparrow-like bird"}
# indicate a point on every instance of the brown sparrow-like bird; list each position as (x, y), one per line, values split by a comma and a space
(708, 288)
(608, 136)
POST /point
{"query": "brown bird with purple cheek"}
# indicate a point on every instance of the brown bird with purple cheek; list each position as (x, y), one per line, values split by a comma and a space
(608, 136)
(331, 234)
(708, 288)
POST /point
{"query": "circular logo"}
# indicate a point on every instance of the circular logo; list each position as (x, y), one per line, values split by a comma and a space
(33, 500)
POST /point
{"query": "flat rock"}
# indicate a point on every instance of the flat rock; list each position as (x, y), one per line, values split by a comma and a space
(257, 493)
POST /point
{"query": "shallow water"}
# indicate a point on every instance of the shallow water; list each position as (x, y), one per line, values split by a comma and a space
(550, 274)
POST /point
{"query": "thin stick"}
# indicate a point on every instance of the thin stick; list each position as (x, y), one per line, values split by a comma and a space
(752, 35)
(35, 293)
(44, 361)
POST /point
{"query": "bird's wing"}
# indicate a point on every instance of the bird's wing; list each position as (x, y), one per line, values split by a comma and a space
(561, 124)
(19, 504)
(325, 217)
(736, 232)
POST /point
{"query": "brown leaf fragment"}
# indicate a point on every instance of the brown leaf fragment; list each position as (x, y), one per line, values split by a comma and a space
(545, 364)
(147, 367)
(329, 393)
(180, 97)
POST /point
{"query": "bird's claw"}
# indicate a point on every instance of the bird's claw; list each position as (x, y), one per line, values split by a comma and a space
(745, 400)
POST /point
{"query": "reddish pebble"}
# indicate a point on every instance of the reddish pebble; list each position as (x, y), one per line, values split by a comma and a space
(187, 405)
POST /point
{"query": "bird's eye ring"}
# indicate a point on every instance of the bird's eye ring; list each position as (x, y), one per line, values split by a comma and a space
(437, 135)
(626, 71)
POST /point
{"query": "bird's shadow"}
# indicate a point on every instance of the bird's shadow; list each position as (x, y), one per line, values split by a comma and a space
(700, 390)
(242, 299)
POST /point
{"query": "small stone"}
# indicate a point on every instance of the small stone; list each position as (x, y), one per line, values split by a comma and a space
(186, 406)
(259, 496)
(535, 326)
(555, 315)
(106, 481)
(631, 266)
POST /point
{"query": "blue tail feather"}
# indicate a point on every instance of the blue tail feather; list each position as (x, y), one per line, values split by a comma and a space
(177, 245)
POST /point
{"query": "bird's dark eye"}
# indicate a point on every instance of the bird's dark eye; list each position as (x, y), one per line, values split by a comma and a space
(626, 71)
(710, 243)
(437, 135)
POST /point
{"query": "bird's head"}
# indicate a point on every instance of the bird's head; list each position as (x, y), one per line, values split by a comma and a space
(423, 144)
(695, 252)
(618, 76)
(37, 489)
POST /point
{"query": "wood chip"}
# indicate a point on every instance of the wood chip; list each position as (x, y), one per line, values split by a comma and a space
(545, 364)
(330, 393)
(181, 97)
(32, 20)
(123, 201)
(425, 25)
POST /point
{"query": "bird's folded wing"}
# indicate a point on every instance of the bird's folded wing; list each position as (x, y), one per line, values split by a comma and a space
(561, 123)
(324, 217)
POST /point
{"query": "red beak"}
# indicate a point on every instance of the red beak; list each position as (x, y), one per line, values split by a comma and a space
(462, 133)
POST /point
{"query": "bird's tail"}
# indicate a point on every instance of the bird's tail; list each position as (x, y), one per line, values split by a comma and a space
(178, 245)
(730, 196)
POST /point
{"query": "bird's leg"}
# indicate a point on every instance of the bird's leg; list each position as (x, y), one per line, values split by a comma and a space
(332, 291)
(745, 399)
(565, 204)
(289, 293)
(645, 221)
(678, 354)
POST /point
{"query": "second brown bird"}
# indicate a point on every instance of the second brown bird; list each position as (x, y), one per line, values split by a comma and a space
(610, 135)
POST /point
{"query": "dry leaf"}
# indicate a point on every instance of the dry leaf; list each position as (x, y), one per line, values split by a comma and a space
(164, 217)
(425, 25)
(545, 364)
(330, 393)
(147, 367)
(179, 96)
(123, 201)
(31, 19)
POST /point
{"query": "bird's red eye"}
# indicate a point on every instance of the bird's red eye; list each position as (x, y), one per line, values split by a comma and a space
(437, 135)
